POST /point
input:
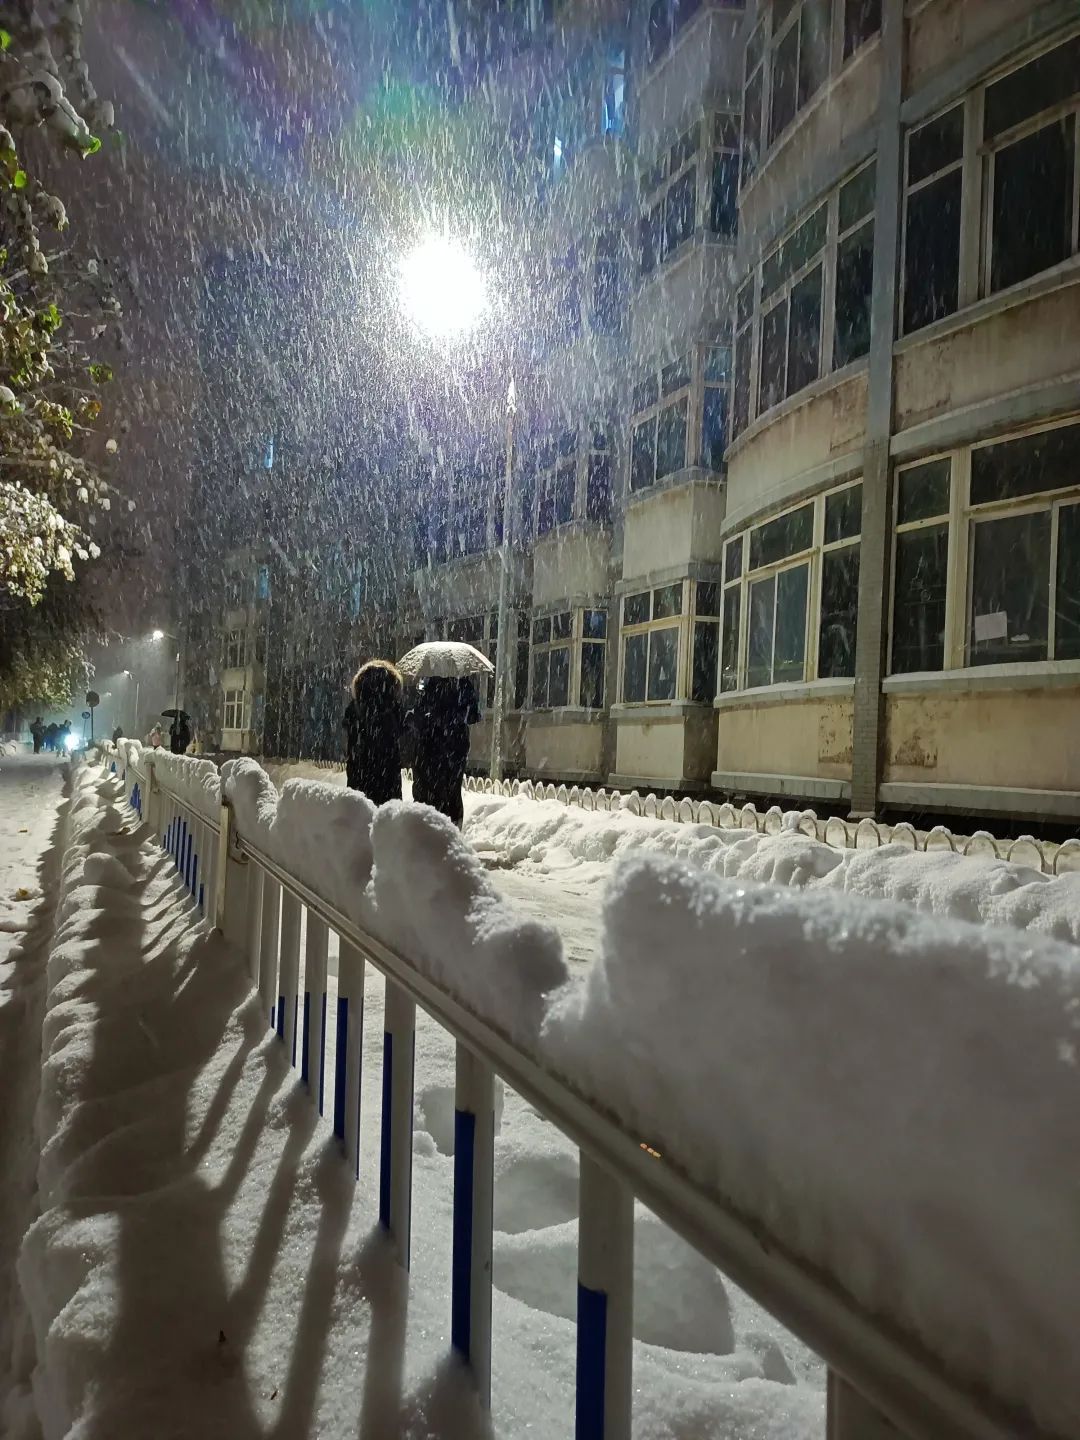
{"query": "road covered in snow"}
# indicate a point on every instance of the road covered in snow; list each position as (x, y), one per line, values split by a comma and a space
(31, 791)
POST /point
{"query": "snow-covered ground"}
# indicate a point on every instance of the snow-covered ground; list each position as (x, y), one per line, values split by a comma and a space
(31, 789)
(205, 1265)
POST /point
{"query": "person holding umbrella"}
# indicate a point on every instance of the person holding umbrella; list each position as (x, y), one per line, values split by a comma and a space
(179, 731)
(440, 720)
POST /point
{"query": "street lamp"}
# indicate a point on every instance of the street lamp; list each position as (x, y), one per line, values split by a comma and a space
(441, 289)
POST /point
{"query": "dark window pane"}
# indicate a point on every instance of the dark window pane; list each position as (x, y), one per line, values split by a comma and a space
(649, 241)
(854, 287)
(561, 625)
(663, 663)
(643, 455)
(671, 440)
(667, 601)
(635, 650)
(541, 665)
(744, 304)
(1049, 460)
(843, 514)
(839, 612)
(592, 676)
(771, 380)
(796, 252)
(924, 492)
(725, 134)
(813, 48)
(751, 125)
(1043, 82)
(784, 536)
(541, 631)
(1033, 204)
(682, 12)
(784, 83)
(565, 479)
(755, 47)
(685, 148)
(675, 376)
(729, 675)
(781, 10)
(714, 427)
(659, 36)
(718, 364)
(521, 677)
(606, 314)
(646, 392)
(594, 624)
(733, 559)
(919, 599)
(1010, 582)
(789, 656)
(598, 494)
(545, 518)
(938, 143)
(707, 598)
(706, 647)
(857, 196)
(740, 417)
(804, 334)
(679, 212)
(759, 640)
(862, 19)
(932, 252)
(568, 442)
(636, 608)
(723, 206)
(559, 685)
(1067, 621)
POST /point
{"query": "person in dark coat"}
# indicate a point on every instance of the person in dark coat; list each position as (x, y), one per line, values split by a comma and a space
(52, 730)
(445, 708)
(117, 734)
(179, 734)
(372, 723)
(37, 734)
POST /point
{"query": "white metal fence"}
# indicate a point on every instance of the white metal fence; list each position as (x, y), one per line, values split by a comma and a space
(881, 1383)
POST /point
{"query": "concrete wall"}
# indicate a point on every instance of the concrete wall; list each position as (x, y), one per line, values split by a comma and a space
(513, 746)
(672, 528)
(672, 750)
(775, 463)
(940, 31)
(808, 737)
(688, 298)
(1026, 739)
(574, 562)
(565, 749)
(706, 65)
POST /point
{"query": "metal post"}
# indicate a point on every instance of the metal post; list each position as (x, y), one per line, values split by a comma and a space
(504, 650)
(253, 921)
(474, 1159)
(288, 973)
(395, 1173)
(313, 1051)
(268, 945)
(349, 1055)
(605, 1305)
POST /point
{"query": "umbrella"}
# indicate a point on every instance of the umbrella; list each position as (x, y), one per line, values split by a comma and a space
(449, 658)
(178, 714)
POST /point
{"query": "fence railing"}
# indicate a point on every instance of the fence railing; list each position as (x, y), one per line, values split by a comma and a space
(881, 1383)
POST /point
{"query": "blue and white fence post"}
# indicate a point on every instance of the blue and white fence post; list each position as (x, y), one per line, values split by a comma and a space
(474, 1161)
(253, 922)
(349, 1052)
(231, 908)
(268, 946)
(605, 1305)
(152, 799)
(313, 1046)
(395, 1173)
(288, 974)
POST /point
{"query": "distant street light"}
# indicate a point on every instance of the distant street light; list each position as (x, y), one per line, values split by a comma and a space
(158, 635)
(441, 290)
(168, 635)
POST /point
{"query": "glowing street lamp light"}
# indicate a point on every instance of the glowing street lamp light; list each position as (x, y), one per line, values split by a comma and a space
(441, 290)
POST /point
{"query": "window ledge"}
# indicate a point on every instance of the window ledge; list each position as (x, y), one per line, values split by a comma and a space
(783, 694)
(649, 711)
(1046, 283)
(787, 407)
(573, 527)
(567, 715)
(1047, 675)
(688, 475)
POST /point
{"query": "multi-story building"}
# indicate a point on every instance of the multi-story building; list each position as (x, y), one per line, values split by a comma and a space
(900, 621)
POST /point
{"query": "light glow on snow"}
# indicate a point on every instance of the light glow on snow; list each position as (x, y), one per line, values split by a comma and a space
(442, 291)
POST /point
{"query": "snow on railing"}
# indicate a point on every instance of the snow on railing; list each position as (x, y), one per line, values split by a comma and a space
(842, 834)
(255, 874)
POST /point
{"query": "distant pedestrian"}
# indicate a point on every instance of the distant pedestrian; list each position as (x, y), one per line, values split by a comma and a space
(37, 734)
(179, 734)
(51, 732)
(63, 737)
(372, 723)
(445, 708)
(117, 734)
(156, 738)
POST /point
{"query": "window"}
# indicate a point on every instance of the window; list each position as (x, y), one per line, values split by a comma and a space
(839, 609)
(723, 202)
(729, 651)
(236, 710)
(931, 277)
(666, 20)
(670, 217)
(598, 481)
(791, 283)
(744, 340)
(800, 58)
(593, 658)
(1032, 183)
(714, 409)
(651, 627)
(551, 660)
(854, 267)
(262, 583)
(862, 21)
(236, 650)
(658, 431)
(613, 104)
(920, 567)
(557, 483)
(606, 313)
(706, 649)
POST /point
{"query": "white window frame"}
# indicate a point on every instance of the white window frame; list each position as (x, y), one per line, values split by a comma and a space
(696, 619)
(909, 189)
(236, 650)
(782, 296)
(683, 393)
(650, 627)
(600, 644)
(236, 711)
(546, 647)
